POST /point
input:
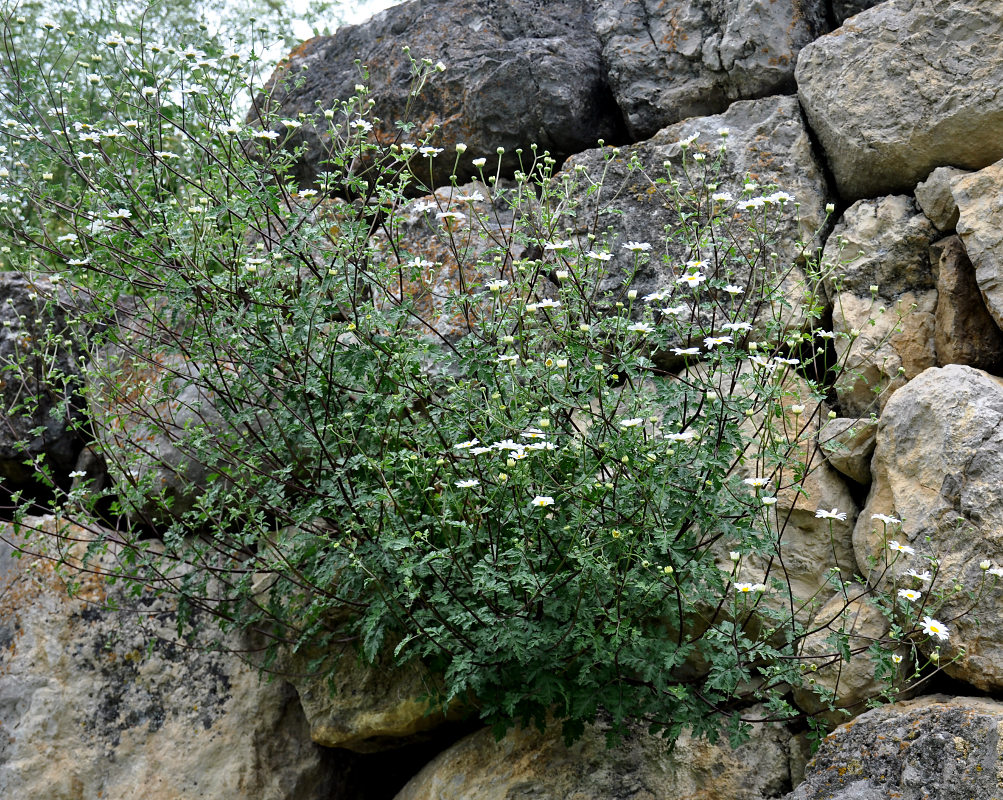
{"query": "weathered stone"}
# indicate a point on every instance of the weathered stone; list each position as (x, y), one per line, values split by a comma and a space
(368, 708)
(526, 763)
(932, 747)
(766, 140)
(852, 681)
(99, 697)
(879, 278)
(980, 226)
(935, 198)
(670, 61)
(38, 379)
(906, 86)
(938, 466)
(964, 330)
(517, 72)
(848, 445)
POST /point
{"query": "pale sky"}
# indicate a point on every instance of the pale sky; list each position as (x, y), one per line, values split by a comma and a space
(363, 10)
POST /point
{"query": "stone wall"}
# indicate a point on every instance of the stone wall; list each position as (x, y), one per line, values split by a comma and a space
(891, 113)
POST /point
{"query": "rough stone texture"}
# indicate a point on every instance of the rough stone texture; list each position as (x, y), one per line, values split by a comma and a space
(368, 708)
(938, 466)
(883, 243)
(41, 379)
(517, 72)
(452, 231)
(852, 682)
(670, 61)
(766, 140)
(527, 764)
(964, 330)
(904, 87)
(101, 703)
(941, 747)
(980, 226)
(935, 198)
(848, 445)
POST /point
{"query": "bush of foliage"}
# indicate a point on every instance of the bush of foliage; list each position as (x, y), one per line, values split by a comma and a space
(558, 495)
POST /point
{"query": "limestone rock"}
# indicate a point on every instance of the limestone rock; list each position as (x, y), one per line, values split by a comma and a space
(99, 697)
(980, 226)
(935, 198)
(368, 708)
(938, 466)
(938, 746)
(848, 445)
(881, 243)
(517, 72)
(964, 331)
(36, 378)
(526, 763)
(766, 139)
(668, 61)
(904, 87)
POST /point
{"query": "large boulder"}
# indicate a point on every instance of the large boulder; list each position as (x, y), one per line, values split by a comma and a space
(516, 72)
(526, 763)
(39, 378)
(99, 697)
(938, 466)
(670, 61)
(933, 747)
(766, 139)
(883, 291)
(904, 87)
(980, 226)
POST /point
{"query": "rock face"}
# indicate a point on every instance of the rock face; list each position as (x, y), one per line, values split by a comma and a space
(528, 764)
(96, 702)
(516, 72)
(883, 288)
(669, 61)
(934, 196)
(37, 381)
(964, 330)
(848, 445)
(938, 466)
(948, 748)
(369, 708)
(906, 86)
(766, 138)
(980, 217)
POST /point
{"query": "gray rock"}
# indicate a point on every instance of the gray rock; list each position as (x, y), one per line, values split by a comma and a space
(766, 139)
(980, 226)
(527, 764)
(886, 332)
(99, 697)
(848, 445)
(907, 86)
(938, 466)
(517, 72)
(964, 330)
(38, 379)
(933, 747)
(935, 198)
(669, 61)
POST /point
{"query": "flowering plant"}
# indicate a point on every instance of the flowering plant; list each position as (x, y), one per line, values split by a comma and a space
(445, 426)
